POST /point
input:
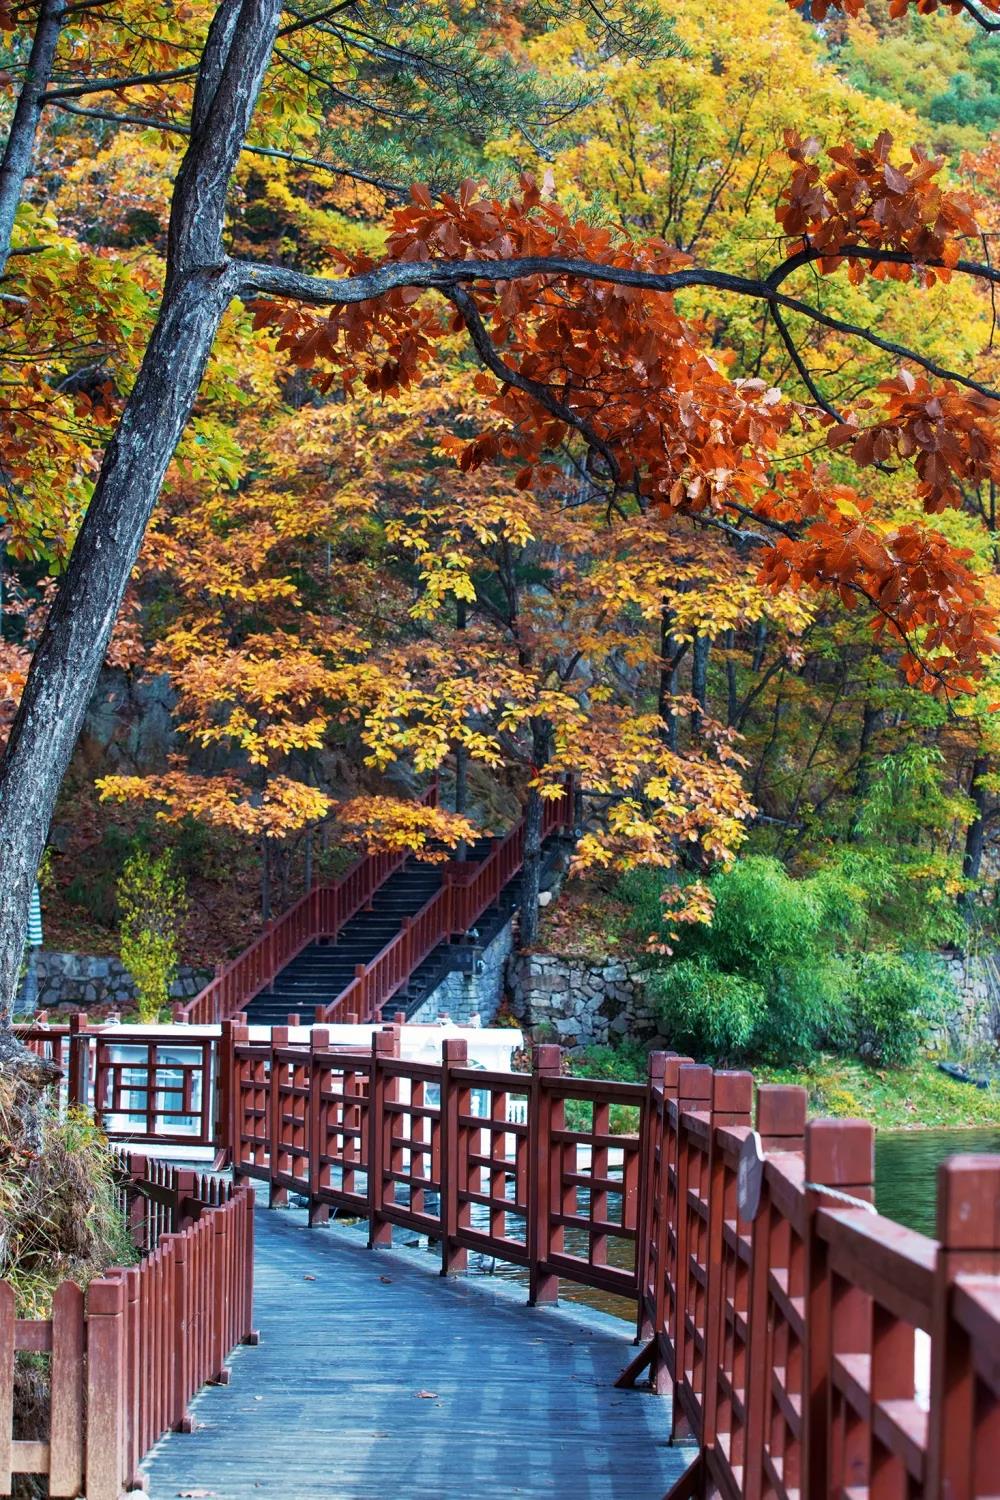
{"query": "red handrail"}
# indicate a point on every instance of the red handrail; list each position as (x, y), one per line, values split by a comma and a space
(814, 1348)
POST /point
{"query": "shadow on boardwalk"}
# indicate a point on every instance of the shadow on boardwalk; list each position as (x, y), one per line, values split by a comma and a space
(522, 1399)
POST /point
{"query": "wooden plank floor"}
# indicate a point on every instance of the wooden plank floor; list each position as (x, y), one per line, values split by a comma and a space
(522, 1399)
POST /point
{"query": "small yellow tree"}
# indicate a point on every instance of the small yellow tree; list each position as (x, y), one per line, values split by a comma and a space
(152, 903)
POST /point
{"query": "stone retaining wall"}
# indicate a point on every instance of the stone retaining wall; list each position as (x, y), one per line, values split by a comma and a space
(579, 1002)
(582, 1002)
(976, 1021)
(86, 981)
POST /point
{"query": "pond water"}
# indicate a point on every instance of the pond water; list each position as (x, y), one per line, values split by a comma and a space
(906, 1163)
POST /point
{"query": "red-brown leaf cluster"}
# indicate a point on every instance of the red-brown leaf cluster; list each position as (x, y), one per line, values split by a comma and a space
(950, 435)
(820, 9)
(919, 582)
(868, 202)
(662, 419)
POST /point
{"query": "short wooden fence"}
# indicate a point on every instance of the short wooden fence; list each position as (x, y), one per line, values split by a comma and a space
(813, 1347)
(126, 1357)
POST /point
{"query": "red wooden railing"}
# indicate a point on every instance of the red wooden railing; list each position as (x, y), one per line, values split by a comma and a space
(159, 1085)
(126, 1358)
(785, 1314)
(467, 891)
(322, 912)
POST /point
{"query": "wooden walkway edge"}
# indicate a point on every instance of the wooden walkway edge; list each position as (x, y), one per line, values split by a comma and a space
(377, 1379)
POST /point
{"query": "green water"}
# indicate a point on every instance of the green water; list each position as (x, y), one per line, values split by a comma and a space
(906, 1163)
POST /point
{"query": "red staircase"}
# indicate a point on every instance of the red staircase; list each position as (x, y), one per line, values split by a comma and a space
(466, 891)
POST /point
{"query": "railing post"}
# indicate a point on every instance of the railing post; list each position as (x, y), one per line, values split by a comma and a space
(732, 1101)
(781, 1125)
(968, 1231)
(182, 1351)
(185, 1182)
(454, 1101)
(543, 1286)
(319, 1212)
(277, 1195)
(219, 1225)
(78, 1064)
(649, 1229)
(664, 1198)
(105, 1389)
(241, 1037)
(694, 1095)
(225, 1061)
(250, 1335)
(379, 1229)
(839, 1154)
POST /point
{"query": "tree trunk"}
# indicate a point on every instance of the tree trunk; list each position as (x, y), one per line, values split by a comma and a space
(870, 720)
(671, 652)
(531, 872)
(975, 834)
(699, 680)
(732, 685)
(265, 879)
(461, 754)
(20, 147)
(199, 286)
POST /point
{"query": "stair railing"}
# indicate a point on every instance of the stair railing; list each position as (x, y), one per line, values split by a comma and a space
(321, 912)
(454, 909)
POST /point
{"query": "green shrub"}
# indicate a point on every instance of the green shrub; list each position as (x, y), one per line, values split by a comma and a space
(778, 973)
(153, 905)
(624, 1063)
(766, 979)
(707, 1012)
(894, 1001)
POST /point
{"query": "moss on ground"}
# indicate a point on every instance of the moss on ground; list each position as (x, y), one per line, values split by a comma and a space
(920, 1097)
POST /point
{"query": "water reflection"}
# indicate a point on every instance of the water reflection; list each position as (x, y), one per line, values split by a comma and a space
(906, 1163)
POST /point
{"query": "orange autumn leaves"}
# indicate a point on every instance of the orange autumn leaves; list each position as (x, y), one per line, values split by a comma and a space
(665, 427)
(869, 203)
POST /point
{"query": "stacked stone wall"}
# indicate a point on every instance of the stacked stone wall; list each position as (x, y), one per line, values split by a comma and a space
(87, 981)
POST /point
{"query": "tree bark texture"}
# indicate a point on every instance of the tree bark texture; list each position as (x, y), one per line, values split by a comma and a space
(15, 164)
(975, 834)
(531, 871)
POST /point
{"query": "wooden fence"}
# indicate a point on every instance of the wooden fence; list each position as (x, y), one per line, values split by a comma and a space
(813, 1347)
(159, 1085)
(126, 1357)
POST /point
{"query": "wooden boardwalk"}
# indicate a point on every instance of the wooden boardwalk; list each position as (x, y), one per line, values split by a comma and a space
(376, 1379)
